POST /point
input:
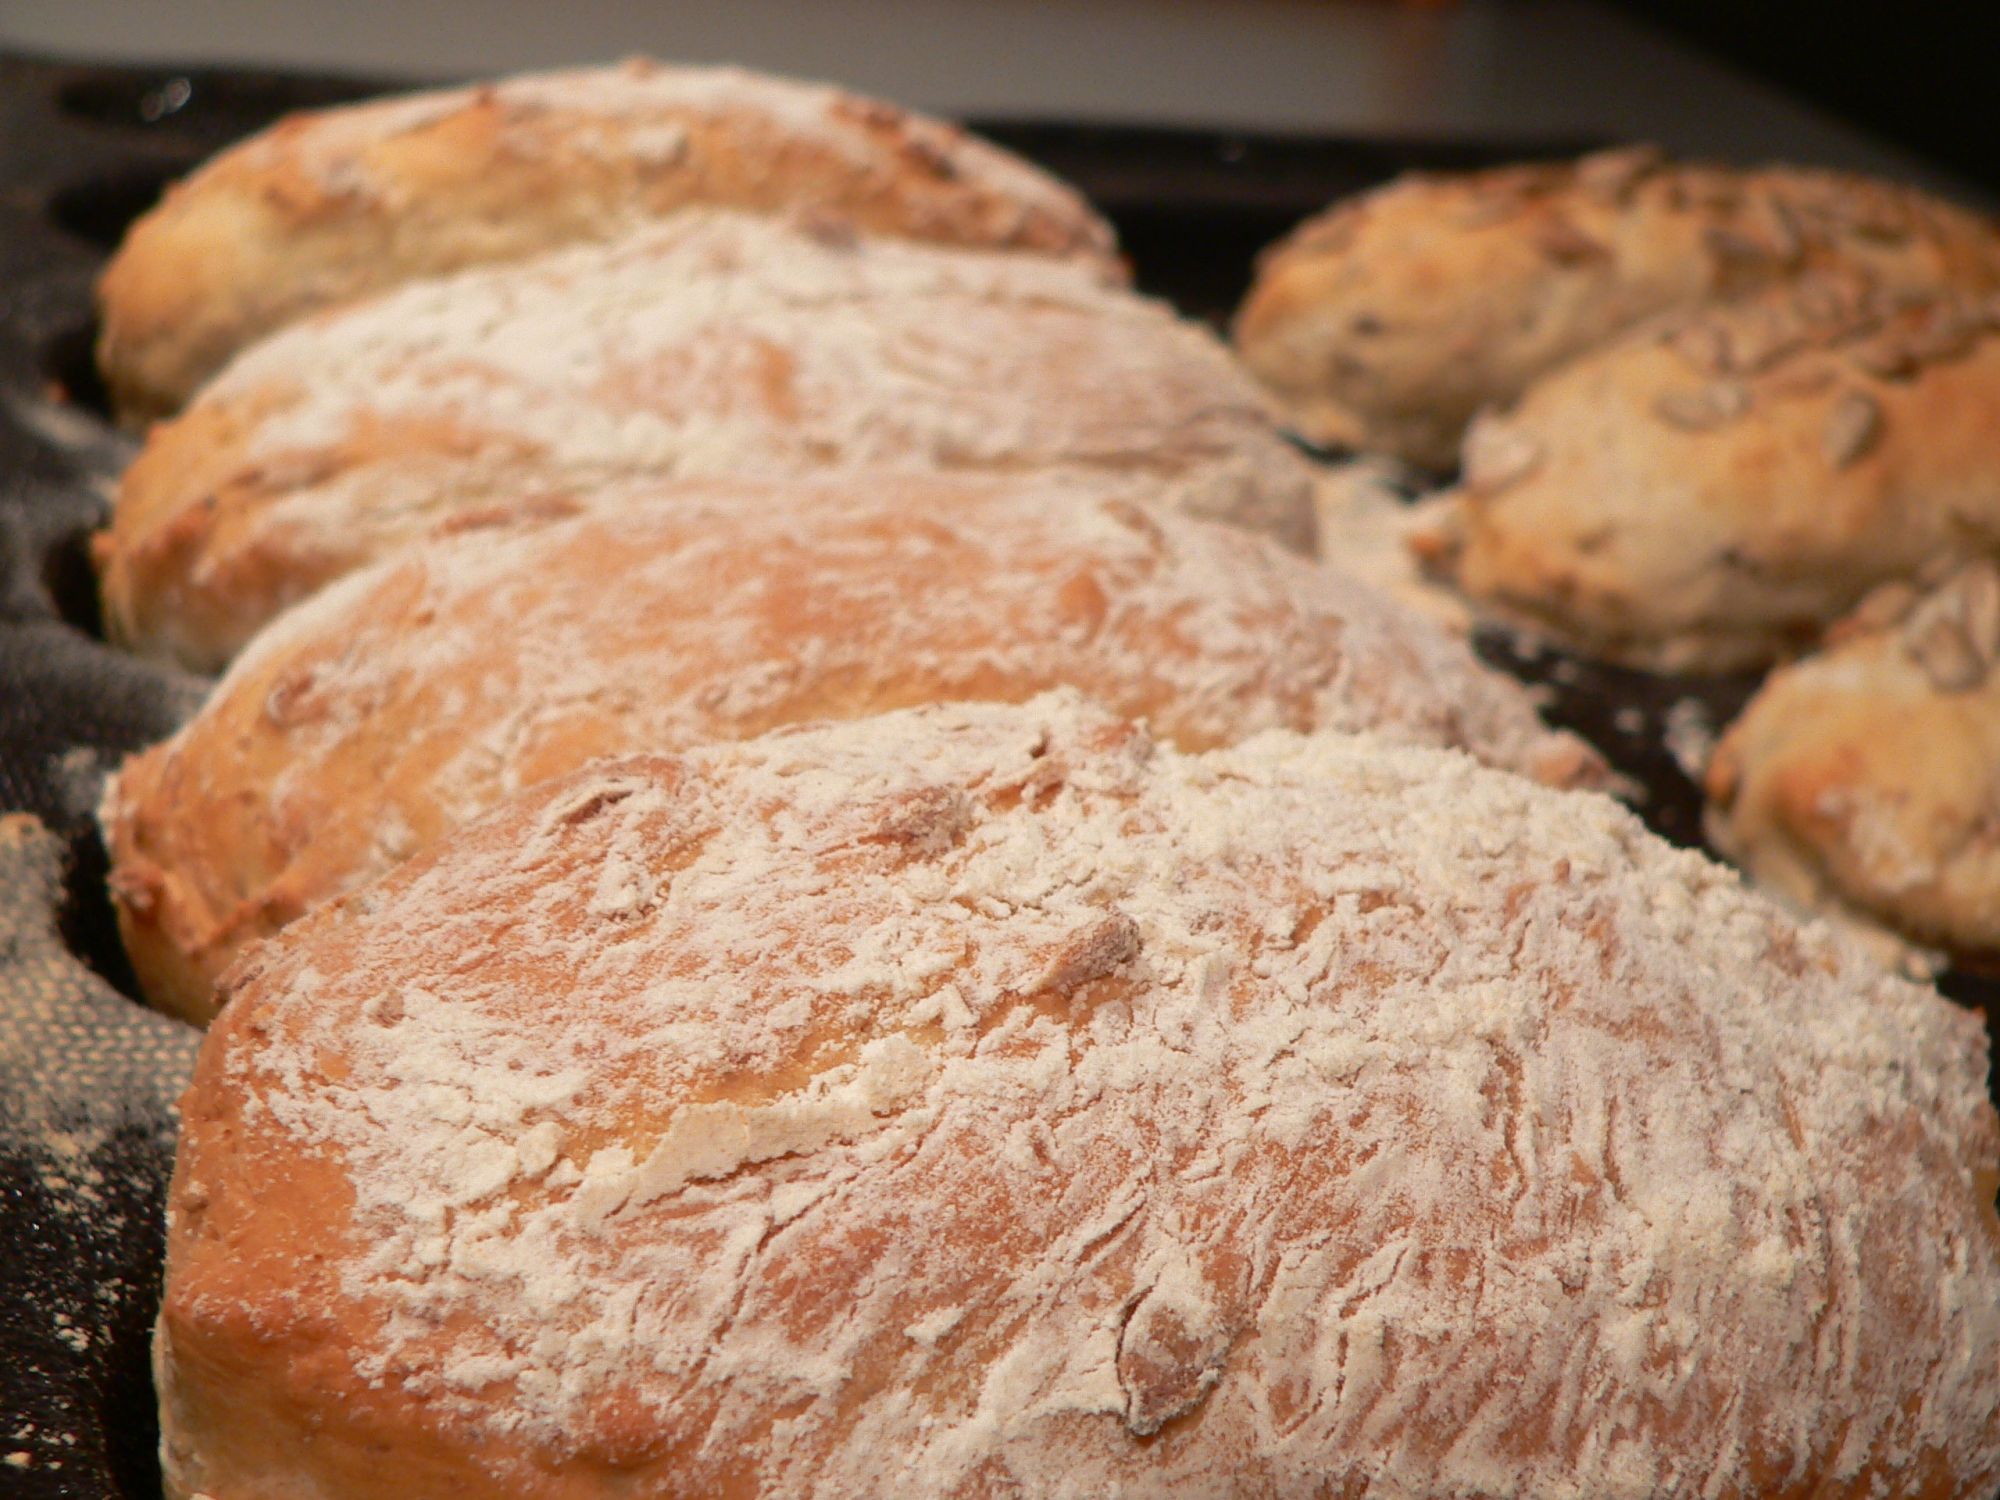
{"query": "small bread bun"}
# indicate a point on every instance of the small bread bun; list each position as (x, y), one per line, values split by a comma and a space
(1387, 322)
(1866, 778)
(420, 692)
(327, 207)
(1712, 493)
(712, 344)
(982, 1101)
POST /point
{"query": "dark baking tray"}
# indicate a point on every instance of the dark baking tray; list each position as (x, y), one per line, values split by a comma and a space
(84, 149)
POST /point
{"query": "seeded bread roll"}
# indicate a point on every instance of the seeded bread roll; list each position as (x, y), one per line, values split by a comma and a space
(327, 207)
(392, 708)
(711, 344)
(981, 1101)
(1387, 322)
(1866, 778)
(1713, 493)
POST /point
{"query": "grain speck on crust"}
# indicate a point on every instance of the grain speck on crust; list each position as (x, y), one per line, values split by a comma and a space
(1954, 633)
(1497, 456)
(1712, 405)
(1852, 428)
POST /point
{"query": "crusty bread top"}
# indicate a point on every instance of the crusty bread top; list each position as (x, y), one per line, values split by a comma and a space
(1388, 321)
(347, 202)
(1714, 491)
(415, 695)
(1865, 778)
(982, 1101)
(714, 343)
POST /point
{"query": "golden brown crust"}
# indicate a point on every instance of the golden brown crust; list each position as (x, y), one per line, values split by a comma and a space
(1867, 777)
(1387, 322)
(375, 718)
(711, 344)
(327, 207)
(1711, 493)
(981, 1102)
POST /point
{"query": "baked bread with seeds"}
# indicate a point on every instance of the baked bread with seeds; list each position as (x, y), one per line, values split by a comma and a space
(1713, 492)
(343, 203)
(371, 720)
(986, 1102)
(1387, 322)
(1866, 778)
(712, 343)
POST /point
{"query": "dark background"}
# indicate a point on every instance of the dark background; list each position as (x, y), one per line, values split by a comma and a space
(1921, 73)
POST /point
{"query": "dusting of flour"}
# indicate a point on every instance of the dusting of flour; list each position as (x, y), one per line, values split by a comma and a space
(721, 343)
(414, 695)
(949, 1101)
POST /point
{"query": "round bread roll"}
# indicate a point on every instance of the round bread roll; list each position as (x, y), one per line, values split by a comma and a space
(327, 207)
(980, 1101)
(1714, 493)
(1387, 322)
(712, 344)
(422, 691)
(1866, 778)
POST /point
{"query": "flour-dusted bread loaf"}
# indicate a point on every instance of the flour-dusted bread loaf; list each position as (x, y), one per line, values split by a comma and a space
(1714, 492)
(1866, 778)
(715, 343)
(344, 203)
(418, 693)
(982, 1101)
(1387, 322)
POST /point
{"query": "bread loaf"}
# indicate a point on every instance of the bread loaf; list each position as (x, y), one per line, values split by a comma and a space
(982, 1102)
(712, 344)
(1865, 778)
(1713, 493)
(327, 207)
(375, 718)
(1387, 322)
